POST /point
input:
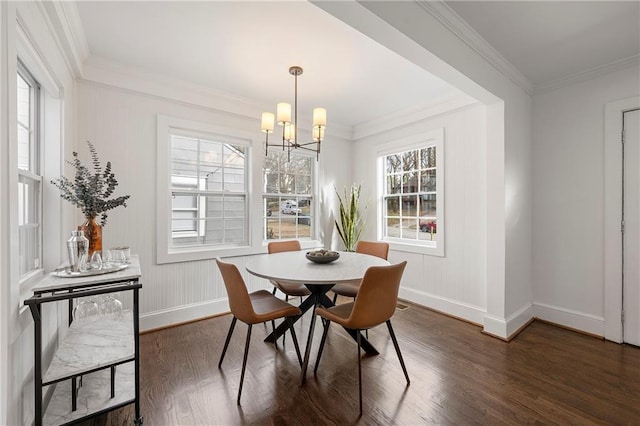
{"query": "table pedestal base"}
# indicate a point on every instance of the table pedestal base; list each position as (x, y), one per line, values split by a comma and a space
(317, 298)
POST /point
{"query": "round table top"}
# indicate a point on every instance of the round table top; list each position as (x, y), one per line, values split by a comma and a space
(293, 266)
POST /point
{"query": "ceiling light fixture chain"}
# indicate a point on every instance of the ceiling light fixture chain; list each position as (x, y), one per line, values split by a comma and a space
(290, 140)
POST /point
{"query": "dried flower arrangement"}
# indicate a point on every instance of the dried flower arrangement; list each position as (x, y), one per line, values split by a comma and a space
(91, 188)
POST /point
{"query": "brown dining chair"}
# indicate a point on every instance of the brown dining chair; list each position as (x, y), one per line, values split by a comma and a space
(289, 289)
(375, 303)
(350, 289)
(252, 308)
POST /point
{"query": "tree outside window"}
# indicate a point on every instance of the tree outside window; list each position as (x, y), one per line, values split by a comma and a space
(410, 199)
(288, 196)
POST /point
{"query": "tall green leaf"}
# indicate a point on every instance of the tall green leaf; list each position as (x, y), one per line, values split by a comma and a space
(351, 222)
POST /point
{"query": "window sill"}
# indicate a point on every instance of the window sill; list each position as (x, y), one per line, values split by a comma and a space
(191, 254)
(27, 282)
(429, 250)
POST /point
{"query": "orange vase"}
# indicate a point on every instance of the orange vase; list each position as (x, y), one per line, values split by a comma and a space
(93, 232)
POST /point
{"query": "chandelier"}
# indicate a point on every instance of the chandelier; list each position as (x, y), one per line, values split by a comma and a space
(290, 139)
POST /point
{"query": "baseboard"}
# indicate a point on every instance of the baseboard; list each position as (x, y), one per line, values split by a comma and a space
(579, 321)
(182, 314)
(507, 328)
(454, 308)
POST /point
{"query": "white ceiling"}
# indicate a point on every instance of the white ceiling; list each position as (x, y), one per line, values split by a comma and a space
(548, 40)
(245, 48)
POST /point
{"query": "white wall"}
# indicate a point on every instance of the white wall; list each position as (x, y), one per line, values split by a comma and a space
(455, 283)
(122, 125)
(16, 332)
(411, 30)
(568, 211)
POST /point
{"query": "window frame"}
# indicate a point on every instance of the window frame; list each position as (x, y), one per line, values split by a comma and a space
(312, 239)
(51, 135)
(418, 141)
(166, 127)
(35, 174)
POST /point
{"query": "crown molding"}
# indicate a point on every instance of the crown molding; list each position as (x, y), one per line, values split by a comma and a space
(588, 74)
(67, 26)
(414, 114)
(458, 26)
(105, 72)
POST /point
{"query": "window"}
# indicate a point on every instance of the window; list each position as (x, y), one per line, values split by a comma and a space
(203, 191)
(288, 196)
(29, 174)
(209, 192)
(412, 194)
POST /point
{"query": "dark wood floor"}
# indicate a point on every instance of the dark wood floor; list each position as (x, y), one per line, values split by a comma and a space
(546, 375)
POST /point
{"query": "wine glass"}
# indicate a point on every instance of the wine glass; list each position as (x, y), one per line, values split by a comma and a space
(96, 260)
(111, 307)
(85, 309)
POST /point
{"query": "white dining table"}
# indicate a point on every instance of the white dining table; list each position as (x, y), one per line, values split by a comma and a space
(318, 278)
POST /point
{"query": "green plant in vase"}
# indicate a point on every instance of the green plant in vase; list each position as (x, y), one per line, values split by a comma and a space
(91, 191)
(351, 222)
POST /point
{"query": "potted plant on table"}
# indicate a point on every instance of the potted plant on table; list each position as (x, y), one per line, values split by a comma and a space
(91, 191)
(351, 222)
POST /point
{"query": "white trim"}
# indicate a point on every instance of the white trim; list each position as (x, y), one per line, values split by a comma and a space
(64, 20)
(445, 105)
(101, 71)
(417, 141)
(474, 314)
(568, 318)
(506, 328)
(588, 74)
(495, 326)
(164, 253)
(519, 319)
(184, 313)
(613, 216)
(458, 26)
(6, 170)
(33, 60)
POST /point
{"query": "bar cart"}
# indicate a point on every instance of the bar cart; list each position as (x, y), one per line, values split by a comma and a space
(96, 367)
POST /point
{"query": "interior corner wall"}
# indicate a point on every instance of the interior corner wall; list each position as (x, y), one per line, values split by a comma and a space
(410, 30)
(568, 212)
(455, 283)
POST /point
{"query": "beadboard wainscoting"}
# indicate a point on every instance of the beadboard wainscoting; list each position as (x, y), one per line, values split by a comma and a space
(455, 283)
(121, 123)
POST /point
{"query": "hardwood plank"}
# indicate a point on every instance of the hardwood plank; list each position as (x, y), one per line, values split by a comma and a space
(546, 374)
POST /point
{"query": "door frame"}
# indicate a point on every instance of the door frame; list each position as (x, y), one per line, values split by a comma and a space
(613, 215)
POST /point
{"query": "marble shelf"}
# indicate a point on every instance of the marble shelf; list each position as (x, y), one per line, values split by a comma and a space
(50, 283)
(93, 352)
(94, 343)
(93, 396)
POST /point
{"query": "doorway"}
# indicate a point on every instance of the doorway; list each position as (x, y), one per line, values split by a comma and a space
(631, 227)
(613, 213)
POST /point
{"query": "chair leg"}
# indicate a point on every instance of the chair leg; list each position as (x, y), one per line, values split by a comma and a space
(295, 340)
(244, 361)
(335, 297)
(273, 329)
(326, 324)
(359, 369)
(274, 291)
(395, 344)
(226, 342)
